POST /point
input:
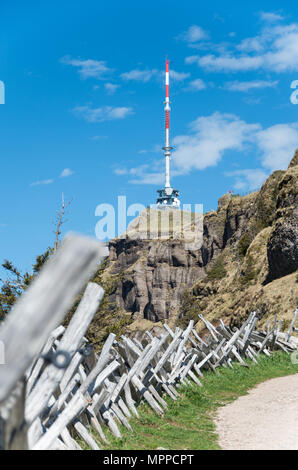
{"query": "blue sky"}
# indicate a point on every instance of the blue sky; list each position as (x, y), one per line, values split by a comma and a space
(83, 111)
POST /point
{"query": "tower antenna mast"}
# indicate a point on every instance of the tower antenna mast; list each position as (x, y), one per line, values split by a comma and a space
(168, 197)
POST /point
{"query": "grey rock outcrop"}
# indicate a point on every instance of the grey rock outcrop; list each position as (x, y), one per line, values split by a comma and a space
(152, 276)
(282, 248)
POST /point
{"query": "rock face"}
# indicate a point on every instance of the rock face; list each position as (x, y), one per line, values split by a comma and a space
(247, 243)
(154, 275)
(283, 243)
(283, 249)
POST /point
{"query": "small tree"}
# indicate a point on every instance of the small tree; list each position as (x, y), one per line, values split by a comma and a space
(60, 220)
(16, 282)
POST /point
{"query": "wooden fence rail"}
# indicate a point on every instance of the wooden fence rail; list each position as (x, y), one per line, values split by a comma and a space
(54, 387)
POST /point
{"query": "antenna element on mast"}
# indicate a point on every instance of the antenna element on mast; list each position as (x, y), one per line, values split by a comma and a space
(168, 197)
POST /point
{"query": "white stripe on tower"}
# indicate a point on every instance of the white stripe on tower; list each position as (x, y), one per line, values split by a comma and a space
(167, 136)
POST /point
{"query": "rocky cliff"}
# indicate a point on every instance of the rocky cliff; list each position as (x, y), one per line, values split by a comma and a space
(248, 260)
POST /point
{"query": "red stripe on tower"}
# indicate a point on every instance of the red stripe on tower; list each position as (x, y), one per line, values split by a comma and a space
(167, 103)
(167, 120)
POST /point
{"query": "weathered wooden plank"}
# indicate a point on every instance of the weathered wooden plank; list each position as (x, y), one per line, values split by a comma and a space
(35, 431)
(137, 343)
(84, 434)
(76, 405)
(70, 342)
(136, 365)
(32, 376)
(170, 349)
(69, 441)
(61, 399)
(122, 405)
(188, 368)
(149, 335)
(292, 325)
(70, 371)
(132, 346)
(58, 445)
(100, 377)
(204, 361)
(129, 400)
(202, 343)
(109, 419)
(96, 424)
(44, 306)
(13, 429)
(147, 395)
(157, 397)
(194, 377)
(266, 340)
(184, 340)
(156, 345)
(122, 418)
(249, 329)
(98, 399)
(214, 333)
(169, 330)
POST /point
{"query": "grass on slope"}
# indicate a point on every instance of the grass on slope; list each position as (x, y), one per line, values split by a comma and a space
(188, 423)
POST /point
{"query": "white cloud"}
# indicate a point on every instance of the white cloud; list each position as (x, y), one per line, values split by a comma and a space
(99, 137)
(274, 49)
(196, 85)
(145, 177)
(210, 137)
(111, 88)
(193, 34)
(178, 76)
(120, 171)
(153, 149)
(228, 63)
(248, 180)
(105, 113)
(192, 59)
(42, 182)
(139, 75)
(255, 44)
(88, 68)
(144, 174)
(251, 101)
(66, 172)
(146, 75)
(271, 17)
(277, 145)
(250, 85)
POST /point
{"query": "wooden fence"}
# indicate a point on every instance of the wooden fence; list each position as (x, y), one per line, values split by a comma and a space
(54, 387)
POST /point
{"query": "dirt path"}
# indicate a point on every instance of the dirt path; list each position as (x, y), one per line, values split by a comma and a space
(266, 418)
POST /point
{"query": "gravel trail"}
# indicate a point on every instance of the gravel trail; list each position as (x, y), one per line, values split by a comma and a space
(266, 418)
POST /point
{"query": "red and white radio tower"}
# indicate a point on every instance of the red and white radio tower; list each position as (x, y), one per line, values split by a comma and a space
(168, 197)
